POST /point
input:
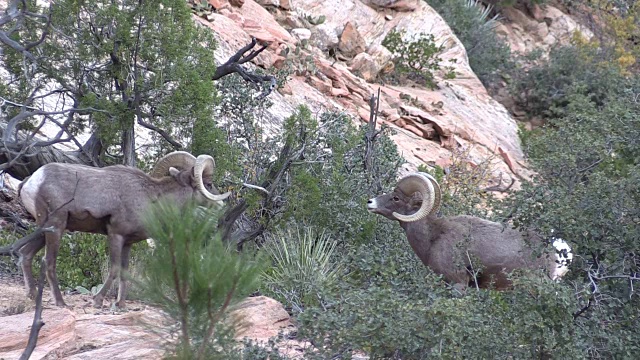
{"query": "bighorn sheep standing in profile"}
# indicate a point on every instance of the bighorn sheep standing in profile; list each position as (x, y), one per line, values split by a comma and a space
(442, 242)
(108, 201)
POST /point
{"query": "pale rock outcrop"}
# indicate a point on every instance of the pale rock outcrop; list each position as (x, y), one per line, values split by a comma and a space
(398, 5)
(324, 37)
(283, 4)
(301, 34)
(81, 332)
(428, 124)
(538, 27)
(365, 66)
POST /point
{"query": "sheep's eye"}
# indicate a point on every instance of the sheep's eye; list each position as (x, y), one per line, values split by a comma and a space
(395, 198)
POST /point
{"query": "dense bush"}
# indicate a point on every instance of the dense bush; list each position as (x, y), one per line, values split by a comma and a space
(489, 55)
(587, 190)
(416, 58)
(546, 88)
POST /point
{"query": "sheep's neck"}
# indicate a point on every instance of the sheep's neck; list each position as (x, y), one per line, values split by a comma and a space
(420, 234)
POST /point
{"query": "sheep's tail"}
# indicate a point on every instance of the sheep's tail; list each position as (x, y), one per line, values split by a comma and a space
(562, 258)
(21, 184)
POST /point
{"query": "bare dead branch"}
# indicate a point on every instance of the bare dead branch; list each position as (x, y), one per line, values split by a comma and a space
(498, 188)
(13, 13)
(233, 65)
(162, 133)
(37, 316)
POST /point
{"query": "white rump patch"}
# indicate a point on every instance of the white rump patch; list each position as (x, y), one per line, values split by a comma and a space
(29, 191)
(563, 258)
(372, 204)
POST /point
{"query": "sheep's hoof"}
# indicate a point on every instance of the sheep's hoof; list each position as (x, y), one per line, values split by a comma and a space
(32, 293)
(97, 302)
(121, 305)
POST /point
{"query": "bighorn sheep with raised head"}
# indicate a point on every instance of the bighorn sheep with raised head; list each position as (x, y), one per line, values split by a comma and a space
(443, 242)
(108, 201)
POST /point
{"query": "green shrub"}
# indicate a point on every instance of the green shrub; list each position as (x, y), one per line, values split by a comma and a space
(463, 185)
(82, 259)
(388, 322)
(586, 192)
(546, 88)
(197, 279)
(331, 192)
(416, 58)
(489, 55)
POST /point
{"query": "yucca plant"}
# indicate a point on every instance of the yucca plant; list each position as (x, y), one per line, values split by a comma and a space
(302, 264)
(483, 13)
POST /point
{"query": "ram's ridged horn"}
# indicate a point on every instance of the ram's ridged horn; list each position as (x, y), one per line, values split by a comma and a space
(437, 200)
(181, 160)
(411, 184)
(205, 163)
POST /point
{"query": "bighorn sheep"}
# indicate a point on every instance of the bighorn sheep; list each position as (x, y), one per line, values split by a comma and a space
(443, 242)
(107, 201)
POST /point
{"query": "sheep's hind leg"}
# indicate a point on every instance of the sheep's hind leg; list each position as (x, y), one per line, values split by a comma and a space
(122, 286)
(27, 252)
(52, 247)
(116, 242)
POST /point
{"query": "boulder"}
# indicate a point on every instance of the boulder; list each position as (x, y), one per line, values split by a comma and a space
(351, 42)
(301, 34)
(365, 66)
(324, 37)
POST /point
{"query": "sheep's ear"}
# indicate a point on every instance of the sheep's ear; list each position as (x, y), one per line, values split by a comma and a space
(173, 171)
(416, 200)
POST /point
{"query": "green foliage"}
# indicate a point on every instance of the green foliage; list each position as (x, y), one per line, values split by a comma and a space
(196, 278)
(331, 191)
(489, 55)
(302, 264)
(462, 186)
(426, 322)
(586, 192)
(122, 62)
(546, 88)
(416, 58)
(80, 260)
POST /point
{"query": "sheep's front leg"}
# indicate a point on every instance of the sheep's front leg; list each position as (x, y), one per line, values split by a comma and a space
(52, 247)
(122, 288)
(116, 242)
(27, 252)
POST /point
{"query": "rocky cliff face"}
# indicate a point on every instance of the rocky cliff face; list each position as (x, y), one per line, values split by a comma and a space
(428, 124)
(343, 37)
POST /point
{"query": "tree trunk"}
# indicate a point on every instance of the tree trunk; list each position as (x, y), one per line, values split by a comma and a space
(129, 147)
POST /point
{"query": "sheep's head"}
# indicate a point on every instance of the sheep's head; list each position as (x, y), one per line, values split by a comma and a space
(189, 170)
(416, 196)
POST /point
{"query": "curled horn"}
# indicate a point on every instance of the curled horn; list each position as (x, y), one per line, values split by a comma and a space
(418, 182)
(205, 163)
(437, 201)
(179, 159)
